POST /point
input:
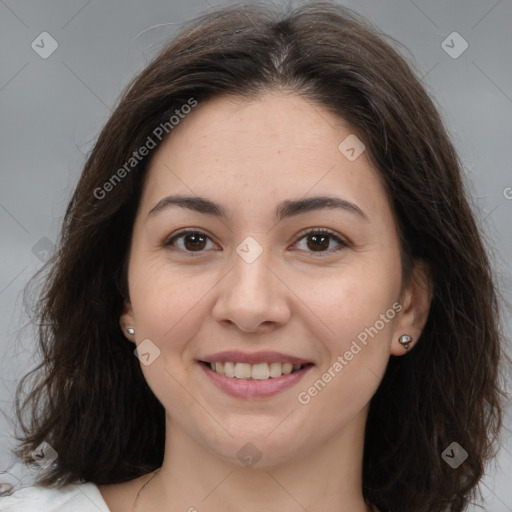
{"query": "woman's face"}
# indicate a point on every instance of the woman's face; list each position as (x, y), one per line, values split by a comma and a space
(261, 283)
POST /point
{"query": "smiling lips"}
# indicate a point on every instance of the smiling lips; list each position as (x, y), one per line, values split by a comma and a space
(256, 366)
(260, 374)
(259, 371)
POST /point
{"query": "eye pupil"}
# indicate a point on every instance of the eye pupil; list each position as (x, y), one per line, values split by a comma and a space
(323, 239)
(199, 239)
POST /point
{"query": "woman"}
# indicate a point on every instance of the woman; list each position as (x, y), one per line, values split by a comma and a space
(270, 291)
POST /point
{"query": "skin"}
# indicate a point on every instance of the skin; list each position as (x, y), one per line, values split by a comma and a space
(248, 156)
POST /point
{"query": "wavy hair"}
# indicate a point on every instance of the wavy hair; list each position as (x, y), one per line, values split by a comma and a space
(88, 398)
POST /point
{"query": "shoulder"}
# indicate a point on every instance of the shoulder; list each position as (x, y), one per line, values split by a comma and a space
(84, 497)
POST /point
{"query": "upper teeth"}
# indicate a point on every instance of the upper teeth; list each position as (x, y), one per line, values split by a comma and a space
(260, 371)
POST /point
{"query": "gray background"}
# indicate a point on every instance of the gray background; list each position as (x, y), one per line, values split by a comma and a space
(52, 110)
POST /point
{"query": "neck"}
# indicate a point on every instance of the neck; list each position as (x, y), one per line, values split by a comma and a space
(193, 478)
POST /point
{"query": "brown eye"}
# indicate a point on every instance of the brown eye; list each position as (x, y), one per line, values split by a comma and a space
(194, 241)
(188, 241)
(319, 241)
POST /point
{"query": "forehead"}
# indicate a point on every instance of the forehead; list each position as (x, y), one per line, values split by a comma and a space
(279, 122)
(260, 150)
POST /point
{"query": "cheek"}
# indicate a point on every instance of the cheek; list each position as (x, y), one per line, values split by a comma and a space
(168, 311)
(356, 356)
(362, 308)
(165, 296)
(357, 307)
(352, 300)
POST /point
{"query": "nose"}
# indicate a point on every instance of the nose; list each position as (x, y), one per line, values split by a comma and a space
(252, 296)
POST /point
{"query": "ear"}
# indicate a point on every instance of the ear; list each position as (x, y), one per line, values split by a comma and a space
(127, 320)
(415, 300)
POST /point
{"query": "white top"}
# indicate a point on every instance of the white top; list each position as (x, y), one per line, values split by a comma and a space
(84, 497)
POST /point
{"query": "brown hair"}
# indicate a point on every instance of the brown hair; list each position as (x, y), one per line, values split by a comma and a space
(89, 398)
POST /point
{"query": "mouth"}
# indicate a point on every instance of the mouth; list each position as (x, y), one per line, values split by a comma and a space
(258, 379)
(259, 371)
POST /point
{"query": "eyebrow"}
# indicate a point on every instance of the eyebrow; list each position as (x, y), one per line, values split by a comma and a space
(285, 209)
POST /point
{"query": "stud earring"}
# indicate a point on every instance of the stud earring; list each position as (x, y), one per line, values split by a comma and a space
(130, 330)
(405, 340)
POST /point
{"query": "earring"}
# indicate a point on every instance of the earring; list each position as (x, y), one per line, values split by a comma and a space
(130, 330)
(405, 340)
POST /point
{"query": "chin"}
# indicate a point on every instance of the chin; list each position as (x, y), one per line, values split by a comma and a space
(259, 445)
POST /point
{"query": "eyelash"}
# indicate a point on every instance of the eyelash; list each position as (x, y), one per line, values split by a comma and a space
(315, 231)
